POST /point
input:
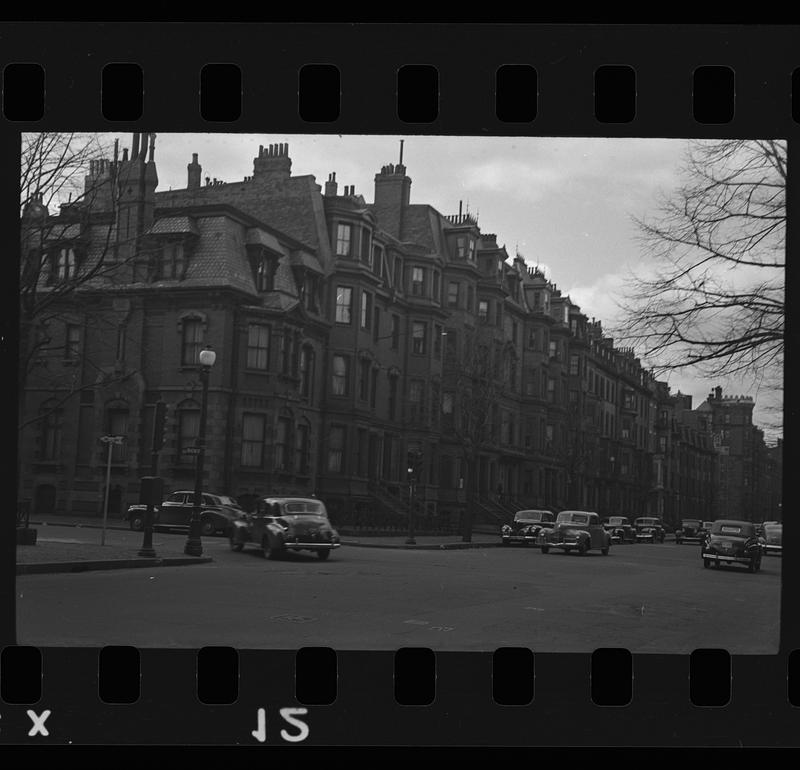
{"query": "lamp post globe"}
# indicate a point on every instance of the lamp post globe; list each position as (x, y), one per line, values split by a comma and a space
(194, 546)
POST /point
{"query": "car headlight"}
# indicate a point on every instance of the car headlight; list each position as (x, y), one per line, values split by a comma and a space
(505, 529)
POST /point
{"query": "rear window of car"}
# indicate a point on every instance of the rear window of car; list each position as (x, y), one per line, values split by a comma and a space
(690, 523)
(574, 518)
(775, 529)
(737, 530)
(647, 521)
(617, 520)
(302, 506)
(532, 516)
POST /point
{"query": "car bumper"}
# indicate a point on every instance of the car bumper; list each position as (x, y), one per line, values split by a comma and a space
(647, 536)
(726, 559)
(689, 538)
(774, 549)
(311, 546)
(518, 539)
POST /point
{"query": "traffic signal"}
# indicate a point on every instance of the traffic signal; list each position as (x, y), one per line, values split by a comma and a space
(413, 464)
(159, 426)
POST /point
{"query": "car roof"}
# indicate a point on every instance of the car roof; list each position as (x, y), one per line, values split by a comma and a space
(533, 510)
(291, 500)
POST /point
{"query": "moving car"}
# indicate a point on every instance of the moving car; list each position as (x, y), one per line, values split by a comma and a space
(773, 536)
(576, 530)
(281, 524)
(691, 531)
(525, 527)
(217, 512)
(732, 542)
(620, 529)
(649, 528)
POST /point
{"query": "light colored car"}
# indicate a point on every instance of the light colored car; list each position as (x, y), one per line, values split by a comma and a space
(773, 536)
(281, 524)
(578, 531)
(525, 527)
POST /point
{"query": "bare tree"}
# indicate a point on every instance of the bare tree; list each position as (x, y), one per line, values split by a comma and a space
(474, 380)
(715, 299)
(63, 254)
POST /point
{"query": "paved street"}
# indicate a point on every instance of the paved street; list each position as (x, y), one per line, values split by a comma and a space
(647, 598)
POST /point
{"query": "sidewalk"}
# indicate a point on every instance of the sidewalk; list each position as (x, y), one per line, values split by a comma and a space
(72, 555)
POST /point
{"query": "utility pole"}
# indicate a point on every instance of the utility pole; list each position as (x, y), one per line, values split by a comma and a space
(112, 441)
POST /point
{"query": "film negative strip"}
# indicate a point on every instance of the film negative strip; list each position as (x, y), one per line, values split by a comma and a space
(435, 645)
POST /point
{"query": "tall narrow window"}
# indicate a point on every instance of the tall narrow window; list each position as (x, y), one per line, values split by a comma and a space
(419, 333)
(344, 304)
(452, 294)
(363, 379)
(377, 260)
(51, 433)
(121, 336)
(336, 448)
(376, 324)
(436, 286)
(172, 260)
(483, 310)
(306, 371)
(341, 372)
(265, 273)
(72, 348)
(282, 456)
(366, 309)
(461, 247)
(302, 448)
(253, 440)
(392, 396)
(192, 342)
(451, 344)
(470, 297)
(287, 352)
(373, 387)
(398, 274)
(343, 240)
(65, 264)
(258, 338)
(417, 281)
(395, 332)
(438, 333)
(366, 246)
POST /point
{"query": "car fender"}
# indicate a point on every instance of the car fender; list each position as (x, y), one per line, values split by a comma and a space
(275, 534)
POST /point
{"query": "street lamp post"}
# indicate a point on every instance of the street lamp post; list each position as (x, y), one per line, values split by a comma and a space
(194, 546)
(112, 441)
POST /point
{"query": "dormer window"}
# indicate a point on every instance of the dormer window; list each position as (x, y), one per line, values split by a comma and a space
(66, 264)
(172, 260)
(344, 237)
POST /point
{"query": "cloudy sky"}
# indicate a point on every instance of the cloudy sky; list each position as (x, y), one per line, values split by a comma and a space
(564, 203)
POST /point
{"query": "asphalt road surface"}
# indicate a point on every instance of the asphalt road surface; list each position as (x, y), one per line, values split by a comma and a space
(646, 598)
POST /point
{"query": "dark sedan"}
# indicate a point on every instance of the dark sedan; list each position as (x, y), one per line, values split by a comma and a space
(620, 529)
(217, 513)
(690, 531)
(732, 542)
(525, 527)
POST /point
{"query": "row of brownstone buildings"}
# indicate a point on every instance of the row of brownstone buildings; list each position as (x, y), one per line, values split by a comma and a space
(347, 333)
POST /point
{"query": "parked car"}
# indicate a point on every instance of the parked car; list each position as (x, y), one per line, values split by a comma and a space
(281, 524)
(217, 512)
(773, 537)
(649, 528)
(690, 531)
(620, 529)
(525, 527)
(576, 530)
(732, 542)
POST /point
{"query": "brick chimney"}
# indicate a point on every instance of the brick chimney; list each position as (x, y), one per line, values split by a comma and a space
(194, 176)
(392, 197)
(331, 187)
(273, 162)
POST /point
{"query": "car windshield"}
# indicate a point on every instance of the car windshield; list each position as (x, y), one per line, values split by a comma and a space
(773, 529)
(690, 523)
(732, 529)
(646, 522)
(569, 517)
(617, 520)
(229, 501)
(306, 507)
(531, 516)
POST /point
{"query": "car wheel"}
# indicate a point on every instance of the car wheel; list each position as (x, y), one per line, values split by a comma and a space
(236, 545)
(137, 522)
(604, 551)
(323, 554)
(677, 541)
(752, 566)
(545, 548)
(706, 563)
(582, 549)
(207, 527)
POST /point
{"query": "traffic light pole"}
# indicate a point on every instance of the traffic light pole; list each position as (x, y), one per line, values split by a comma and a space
(411, 489)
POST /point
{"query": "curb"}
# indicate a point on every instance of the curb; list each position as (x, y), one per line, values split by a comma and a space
(424, 546)
(84, 566)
